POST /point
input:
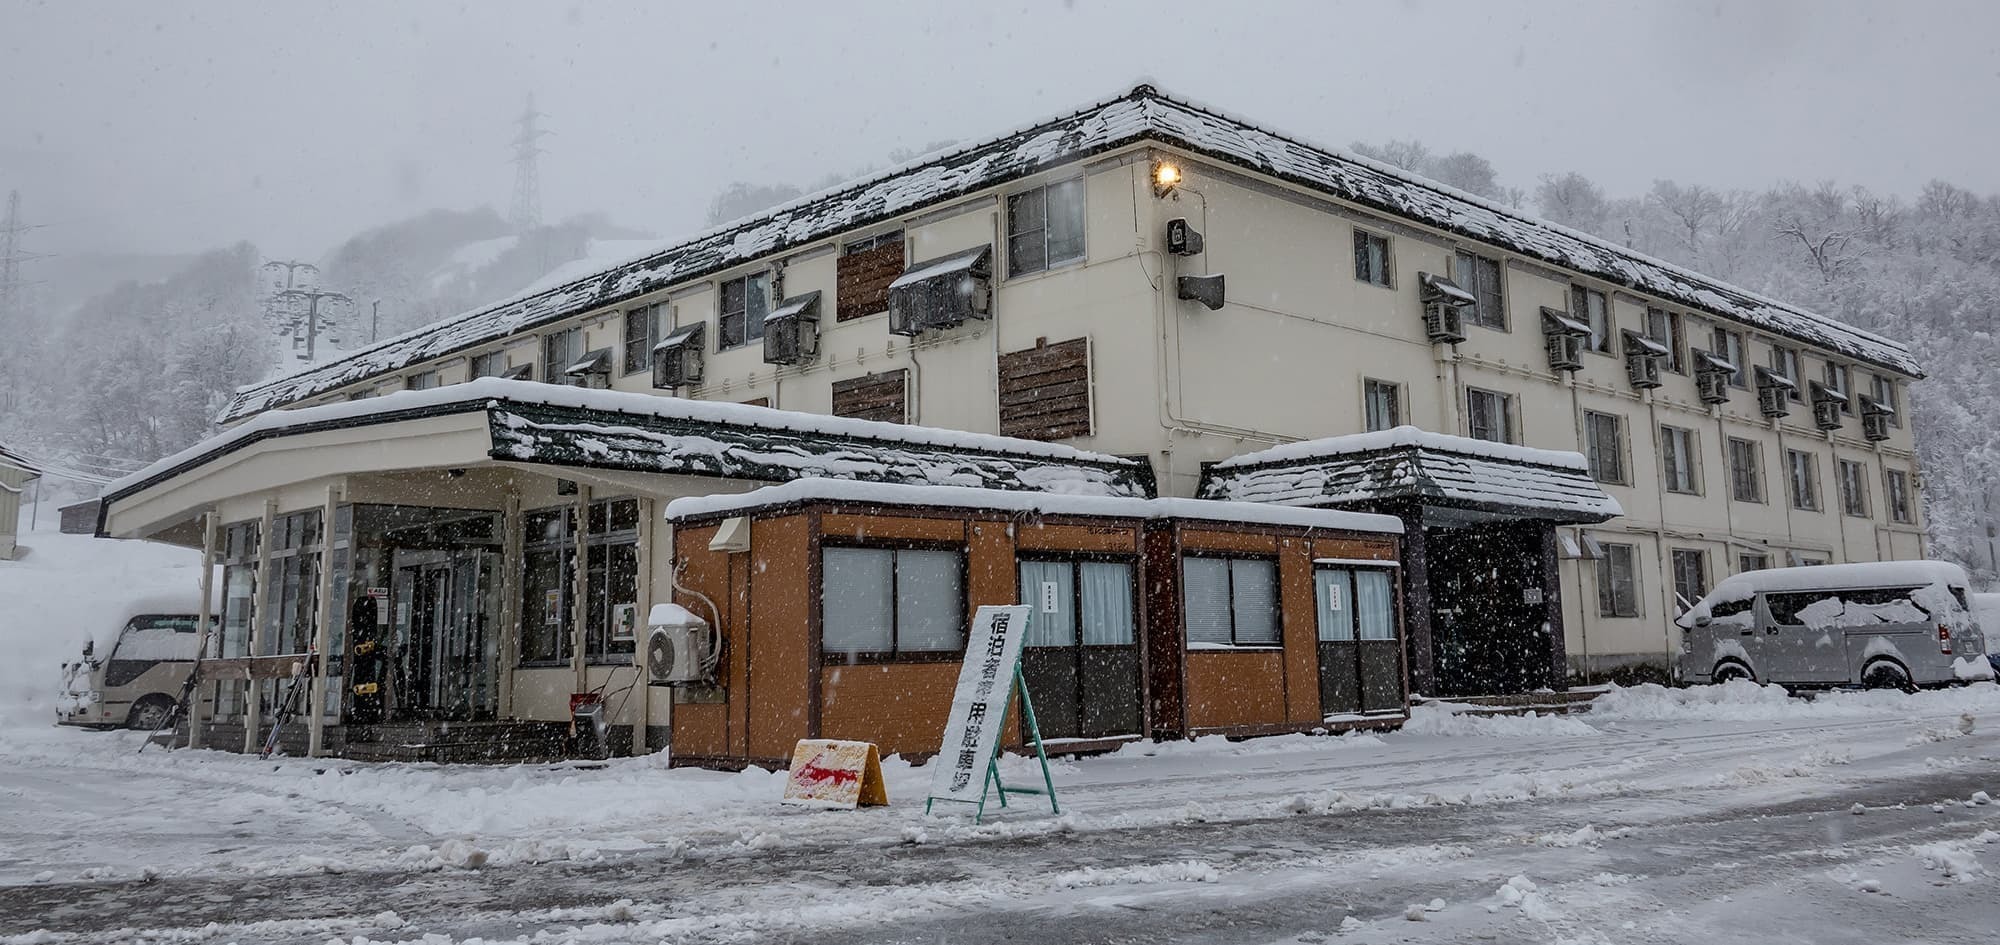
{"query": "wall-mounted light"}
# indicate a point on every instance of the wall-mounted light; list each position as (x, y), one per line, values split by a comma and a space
(1166, 177)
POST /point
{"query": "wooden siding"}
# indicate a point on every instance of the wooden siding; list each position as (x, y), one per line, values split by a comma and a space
(1228, 542)
(1103, 539)
(702, 729)
(900, 707)
(779, 683)
(862, 280)
(881, 396)
(1045, 391)
(1244, 687)
(1360, 549)
(1298, 610)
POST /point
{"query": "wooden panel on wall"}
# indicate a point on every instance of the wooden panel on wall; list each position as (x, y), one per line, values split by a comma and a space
(780, 684)
(706, 731)
(990, 571)
(861, 280)
(899, 707)
(1045, 391)
(1165, 642)
(1359, 549)
(883, 396)
(1235, 688)
(1196, 540)
(1105, 539)
(1299, 611)
(891, 528)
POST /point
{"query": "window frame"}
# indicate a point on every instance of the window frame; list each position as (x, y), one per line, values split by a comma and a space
(653, 316)
(1675, 342)
(1754, 476)
(1277, 600)
(1040, 192)
(1896, 495)
(485, 364)
(1732, 345)
(1608, 604)
(1509, 429)
(423, 380)
(599, 646)
(1691, 596)
(723, 313)
(1365, 239)
(1787, 362)
(553, 365)
(1469, 270)
(1687, 446)
(1883, 387)
(1853, 478)
(1844, 384)
(895, 653)
(1744, 558)
(1808, 498)
(1619, 474)
(1393, 390)
(1599, 341)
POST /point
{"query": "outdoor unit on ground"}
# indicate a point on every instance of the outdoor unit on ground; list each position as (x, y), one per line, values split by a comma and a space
(679, 647)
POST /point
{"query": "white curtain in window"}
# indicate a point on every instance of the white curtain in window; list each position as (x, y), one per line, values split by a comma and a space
(1042, 581)
(1374, 605)
(930, 602)
(855, 601)
(1255, 586)
(1334, 589)
(1107, 603)
(1205, 598)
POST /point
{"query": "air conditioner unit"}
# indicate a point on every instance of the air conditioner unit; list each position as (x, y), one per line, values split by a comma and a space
(791, 331)
(677, 361)
(1642, 360)
(1563, 337)
(1875, 416)
(1711, 377)
(1826, 404)
(677, 647)
(1443, 301)
(942, 293)
(1774, 393)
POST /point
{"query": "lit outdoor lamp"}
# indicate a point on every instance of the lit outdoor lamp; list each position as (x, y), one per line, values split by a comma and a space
(1166, 177)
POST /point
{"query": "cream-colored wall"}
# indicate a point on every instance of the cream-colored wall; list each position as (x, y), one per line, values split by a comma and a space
(15, 482)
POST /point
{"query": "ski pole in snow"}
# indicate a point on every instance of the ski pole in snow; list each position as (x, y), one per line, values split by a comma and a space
(287, 707)
(178, 710)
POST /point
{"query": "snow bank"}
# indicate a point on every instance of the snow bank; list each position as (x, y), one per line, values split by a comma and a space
(1740, 700)
(1455, 720)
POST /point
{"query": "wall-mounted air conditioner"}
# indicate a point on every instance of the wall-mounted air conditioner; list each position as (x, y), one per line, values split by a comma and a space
(1712, 372)
(1774, 393)
(679, 647)
(1642, 360)
(1826, 405)
(1444, 308)
(942, 293)
(1563, 336)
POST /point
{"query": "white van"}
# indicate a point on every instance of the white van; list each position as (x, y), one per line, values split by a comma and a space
(135, 680)
(1886, 624)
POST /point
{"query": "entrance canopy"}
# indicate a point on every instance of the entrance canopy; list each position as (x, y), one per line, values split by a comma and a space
(1476, 478)
(491, 421)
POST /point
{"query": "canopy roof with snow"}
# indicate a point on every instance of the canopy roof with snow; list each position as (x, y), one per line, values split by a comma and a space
(16, 460)
(1140, 115)
(1406, 464)
(529, 422)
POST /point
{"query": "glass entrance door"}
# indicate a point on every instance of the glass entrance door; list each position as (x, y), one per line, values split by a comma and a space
(1360, 659)
(1081, 655)
(445, 651)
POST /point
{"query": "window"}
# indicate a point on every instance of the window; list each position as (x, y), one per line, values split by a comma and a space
(1481, 277)
(1489, 415)
(744, 303)
(1618, 581)
(1357, 604)
(1664, 327)
(1045, 227)
(1230, 601)
(1804, 474)
(611, 582)
(1748, 561)
(1785, 361)
(881, 603)
(1604, 445)
(1591, 308)
(1690, 575)
(1371, 257)
(1729, 344)
(1884, 390)
(1841, 379)
(1677, 453)
(1853, 488)
(1899, 496)
(490, 364)
(422, 380)
(643, 327)
(560, 349)
(863, 273)
(1381, 404)
(1746, 472)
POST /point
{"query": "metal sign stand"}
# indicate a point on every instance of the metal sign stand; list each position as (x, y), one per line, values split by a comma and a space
(993, 785)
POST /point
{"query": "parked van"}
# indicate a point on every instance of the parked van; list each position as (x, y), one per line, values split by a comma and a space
(1889, 624)
(136, 679)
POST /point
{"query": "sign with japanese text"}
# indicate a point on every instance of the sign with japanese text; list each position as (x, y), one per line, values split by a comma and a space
(979, 705)
(835, 774)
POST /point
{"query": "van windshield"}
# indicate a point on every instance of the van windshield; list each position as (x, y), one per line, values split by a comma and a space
(158, 637)
(1822, 608)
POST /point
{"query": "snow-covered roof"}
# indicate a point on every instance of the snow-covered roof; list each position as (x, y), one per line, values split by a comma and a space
(1820, 577)
(795, 306)
(1408, 464)
(1140, 115)
(16, 460)
(532, 422)
(929, 269)
(871, 493)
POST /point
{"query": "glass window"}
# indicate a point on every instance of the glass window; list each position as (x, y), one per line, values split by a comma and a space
(1371, 257)
(643, 327)
(1374, 604)
(1107, 603)
(1045, 227)
(1752, 562)
(560, 349)
(1489, 415)
(1884, 389)
(1841, 379)
(1335, 590)
(1230, 601)
(1690, 575)
(611, 582)
(490, 364)
(1899, 496)
(1382, 405)
(856, 600)
(1604, 445)
(1853, 488)
(422, 380)
(1746, 473)
(1481, 277)
(742, 306)
(881, 603)
(1590, 307)
(1677, 455)
(1785, 362)
(930, 604)
(1618, 581)
(1804, 474)
(1665, 327)
(1729, 344)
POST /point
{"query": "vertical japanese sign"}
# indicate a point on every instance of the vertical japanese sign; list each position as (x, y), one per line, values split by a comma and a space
(979, 705)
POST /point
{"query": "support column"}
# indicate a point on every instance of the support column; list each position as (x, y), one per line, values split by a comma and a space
(1417, 607)
(1552, 607)
(580, 589)
(512, 566)
(253, 708)
(322, 628)
(201, 634)
(642, 596)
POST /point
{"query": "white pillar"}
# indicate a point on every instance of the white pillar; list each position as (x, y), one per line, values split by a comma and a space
(322, 627)
(580, 589)
(513, 566)
(253, 709)
(642, 595)
(201, 633)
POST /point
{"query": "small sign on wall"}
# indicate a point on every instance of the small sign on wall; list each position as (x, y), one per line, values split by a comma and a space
(551, 607)
(1334, 604)
(1051, 597)
(1531, 595)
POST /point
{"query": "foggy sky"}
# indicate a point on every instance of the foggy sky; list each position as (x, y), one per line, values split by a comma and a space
(179, 126)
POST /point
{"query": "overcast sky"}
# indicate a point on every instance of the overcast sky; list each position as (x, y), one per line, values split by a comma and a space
(178, 126)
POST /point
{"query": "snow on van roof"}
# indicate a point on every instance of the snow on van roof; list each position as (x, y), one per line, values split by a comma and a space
(1816, 577)
(842, 490)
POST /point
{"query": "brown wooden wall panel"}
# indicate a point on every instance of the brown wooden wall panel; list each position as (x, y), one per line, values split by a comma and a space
(890, 528)
(990, 572)
(1102, 539)
(1165, 647)
(861, 280)
(706, 729)
(1045, 391)
(1298, 607)
(780, 687)
(1360, 549)
(701, 730)
(1195, 540)
(899, 707)
(883, 396)
(1235, 688)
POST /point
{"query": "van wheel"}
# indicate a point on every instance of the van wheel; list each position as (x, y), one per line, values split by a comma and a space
(1883, 674)
(149, 713)
(1728, 671)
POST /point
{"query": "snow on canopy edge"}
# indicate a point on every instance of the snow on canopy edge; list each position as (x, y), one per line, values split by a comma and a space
(1861, 574)
(875, 493)
(1139, 114)
(478, 393)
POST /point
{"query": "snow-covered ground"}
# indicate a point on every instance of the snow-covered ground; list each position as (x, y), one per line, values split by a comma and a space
(1727, 813)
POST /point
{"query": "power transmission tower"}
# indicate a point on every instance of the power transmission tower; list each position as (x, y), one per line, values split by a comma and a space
(527, 211)
(12, 289)
(311, 297)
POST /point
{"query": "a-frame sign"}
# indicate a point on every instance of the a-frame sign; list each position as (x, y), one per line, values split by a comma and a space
(968, 761)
